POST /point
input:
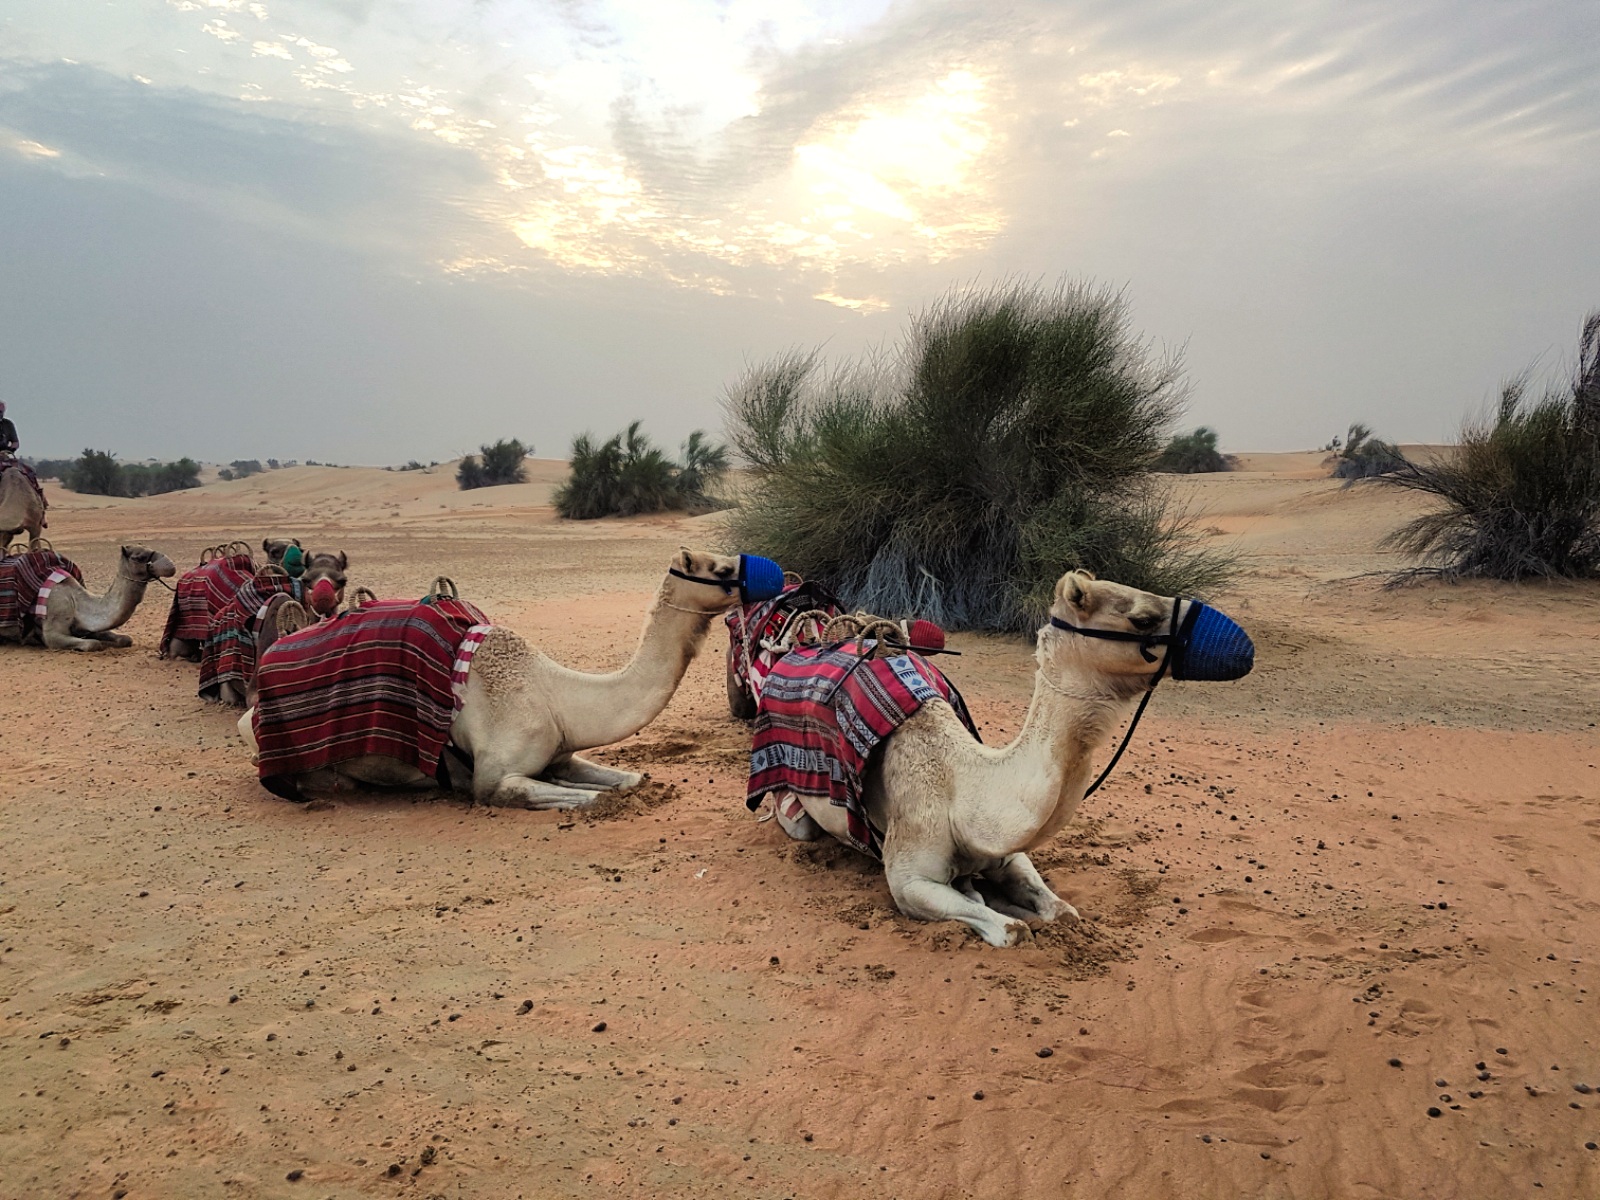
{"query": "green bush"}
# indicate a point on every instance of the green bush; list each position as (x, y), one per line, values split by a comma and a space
(98, 473)
(1192, 453)
(1009, 439)
(1521, 493)
(500, 463)
(1365, 457)
(627, 475)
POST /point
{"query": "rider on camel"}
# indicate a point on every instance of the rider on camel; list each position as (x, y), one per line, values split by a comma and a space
(8, 449)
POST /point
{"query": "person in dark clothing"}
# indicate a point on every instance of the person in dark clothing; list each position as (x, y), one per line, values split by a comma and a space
(8, 460)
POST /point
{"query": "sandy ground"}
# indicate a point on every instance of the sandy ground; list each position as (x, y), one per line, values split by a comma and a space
(1348, 893)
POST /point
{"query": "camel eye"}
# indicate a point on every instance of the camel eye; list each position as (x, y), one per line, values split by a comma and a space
(1144, 623)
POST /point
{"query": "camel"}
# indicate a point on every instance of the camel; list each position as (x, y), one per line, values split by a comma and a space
(524, 717)
(20, 508)
(958, 817)
(206, 598)
(76, 620)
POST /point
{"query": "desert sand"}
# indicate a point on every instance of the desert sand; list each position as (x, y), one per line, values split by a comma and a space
(1341, 935)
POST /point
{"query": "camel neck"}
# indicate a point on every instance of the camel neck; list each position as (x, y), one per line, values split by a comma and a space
(611, 707)
(101, 614)
(1051, 761)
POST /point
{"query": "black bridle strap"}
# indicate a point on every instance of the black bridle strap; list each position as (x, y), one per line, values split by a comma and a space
(727, 585)
(1147, 640)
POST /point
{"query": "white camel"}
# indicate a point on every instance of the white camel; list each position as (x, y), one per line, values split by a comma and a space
(76, 619)
(958, 817)
(525, 717)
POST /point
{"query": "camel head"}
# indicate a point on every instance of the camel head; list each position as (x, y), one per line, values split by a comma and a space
(141, 564)
(275, 548)
(1132, 638)
(702, 581)
(322, 578)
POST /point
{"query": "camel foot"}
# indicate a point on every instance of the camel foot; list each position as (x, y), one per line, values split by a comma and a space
(1016, 888)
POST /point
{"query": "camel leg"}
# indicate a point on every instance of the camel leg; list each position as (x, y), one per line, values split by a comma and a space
(58, 639)
(120, 640)
(229, 694)
(519, 791)
(571, 771)
(919, 893)
(793, 818)
(1025, 893)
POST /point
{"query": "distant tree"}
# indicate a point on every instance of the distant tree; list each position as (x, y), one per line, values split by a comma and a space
(273, 464)
(243, 468)
(1192, 453)
(1364, 456)
(98, 473)
(500, 463)
(50, 468)
(627, 475)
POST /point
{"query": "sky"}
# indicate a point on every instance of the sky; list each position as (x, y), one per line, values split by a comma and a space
(368, 231)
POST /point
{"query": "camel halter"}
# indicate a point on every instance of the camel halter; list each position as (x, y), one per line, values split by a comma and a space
(1146, 641)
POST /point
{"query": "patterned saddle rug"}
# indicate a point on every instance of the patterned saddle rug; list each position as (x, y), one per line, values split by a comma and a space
(25, 584)
(823, 712)
(201, 594)
(229, 655)
(756, 631)
(387, 678)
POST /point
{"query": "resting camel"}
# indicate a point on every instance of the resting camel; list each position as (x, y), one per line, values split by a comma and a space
(958, 817)
(205, 590)
(76, 620)
(524, 717)
(20, 508)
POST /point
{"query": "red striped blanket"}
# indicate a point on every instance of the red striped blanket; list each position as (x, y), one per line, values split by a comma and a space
(22, 578)
(201, 594)
(823, 712)
(386, 678)
(229, 655)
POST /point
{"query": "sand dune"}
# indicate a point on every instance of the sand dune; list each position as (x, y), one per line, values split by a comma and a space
(1376, 849)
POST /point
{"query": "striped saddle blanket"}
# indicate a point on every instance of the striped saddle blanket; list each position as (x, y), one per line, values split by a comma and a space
(25, 584)
(823, 712)
(229, 655)
(387, 678)
(201, 594)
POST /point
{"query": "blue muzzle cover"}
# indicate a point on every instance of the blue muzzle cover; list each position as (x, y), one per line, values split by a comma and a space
(1211, 646)
(759, 579)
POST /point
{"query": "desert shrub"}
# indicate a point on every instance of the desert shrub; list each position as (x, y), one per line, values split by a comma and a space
(498, 464)
(1521, 493)
(243, 468)
(1363, 456)
(98, 473)
(627, 475)
(1009, 439)
(1192, 453)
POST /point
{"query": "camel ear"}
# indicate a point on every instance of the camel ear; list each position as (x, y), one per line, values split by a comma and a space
(344, 562)
(688, 559)
(266, 545)
(1073, 590)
